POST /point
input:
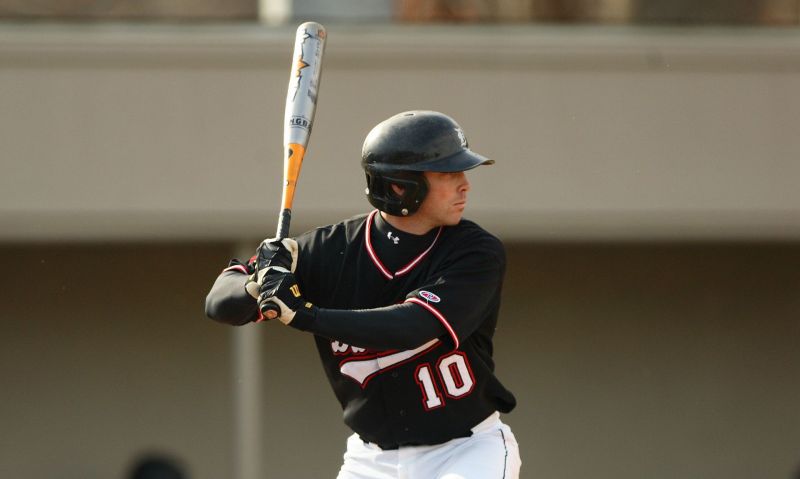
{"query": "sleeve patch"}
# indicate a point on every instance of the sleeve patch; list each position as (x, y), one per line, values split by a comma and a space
(430, 296)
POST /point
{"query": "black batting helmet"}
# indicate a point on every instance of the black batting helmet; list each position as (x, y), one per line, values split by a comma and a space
(400, 148)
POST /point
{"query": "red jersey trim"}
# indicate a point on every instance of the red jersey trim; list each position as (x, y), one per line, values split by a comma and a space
(374, 256)
(236, 267)
(371, 250)
(439, 316)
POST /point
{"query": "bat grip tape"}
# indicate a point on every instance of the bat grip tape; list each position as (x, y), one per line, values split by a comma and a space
(284, 220)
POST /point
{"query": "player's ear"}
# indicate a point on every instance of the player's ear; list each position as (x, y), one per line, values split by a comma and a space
(398, 190)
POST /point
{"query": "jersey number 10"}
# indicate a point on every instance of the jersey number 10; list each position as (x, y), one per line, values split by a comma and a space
(454, 374)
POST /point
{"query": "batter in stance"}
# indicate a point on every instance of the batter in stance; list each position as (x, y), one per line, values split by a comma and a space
(403, 303)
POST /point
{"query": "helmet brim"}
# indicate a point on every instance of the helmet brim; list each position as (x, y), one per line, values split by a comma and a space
(462, 161)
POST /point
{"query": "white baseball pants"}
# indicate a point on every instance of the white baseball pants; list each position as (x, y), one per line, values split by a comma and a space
(490, 453)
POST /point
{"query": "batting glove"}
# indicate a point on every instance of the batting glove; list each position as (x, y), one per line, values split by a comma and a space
(281, 289)
(272, 255)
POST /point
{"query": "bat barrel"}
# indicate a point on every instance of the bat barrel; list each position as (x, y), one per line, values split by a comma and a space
(304, 81)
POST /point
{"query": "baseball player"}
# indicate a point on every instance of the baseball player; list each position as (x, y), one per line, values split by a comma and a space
(403, 303)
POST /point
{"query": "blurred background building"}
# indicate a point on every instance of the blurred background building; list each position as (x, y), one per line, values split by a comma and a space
(648, 159)
(705, 12)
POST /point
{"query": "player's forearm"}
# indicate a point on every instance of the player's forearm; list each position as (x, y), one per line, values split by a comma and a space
(228, 301)
(402, 326)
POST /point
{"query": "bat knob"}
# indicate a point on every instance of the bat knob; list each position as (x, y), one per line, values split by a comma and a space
(270, 310)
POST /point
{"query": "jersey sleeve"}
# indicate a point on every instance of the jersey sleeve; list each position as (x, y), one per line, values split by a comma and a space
(466, 289)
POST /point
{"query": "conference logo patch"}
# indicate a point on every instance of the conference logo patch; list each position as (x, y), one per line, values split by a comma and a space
(430, 296)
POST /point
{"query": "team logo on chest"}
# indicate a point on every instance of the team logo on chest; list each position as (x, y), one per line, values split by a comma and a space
(340, 349)
(362, 368)
(429, 296)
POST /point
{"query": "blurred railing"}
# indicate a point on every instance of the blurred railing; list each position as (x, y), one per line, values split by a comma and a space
(682, 12)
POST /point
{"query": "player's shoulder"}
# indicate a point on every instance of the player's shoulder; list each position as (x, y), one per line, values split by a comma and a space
(468, 235)
(344, 231)
(469, 230)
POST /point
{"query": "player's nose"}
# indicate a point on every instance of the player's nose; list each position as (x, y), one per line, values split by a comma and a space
(464, 184)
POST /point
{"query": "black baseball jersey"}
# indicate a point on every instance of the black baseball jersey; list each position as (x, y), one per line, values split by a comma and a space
(405, 325)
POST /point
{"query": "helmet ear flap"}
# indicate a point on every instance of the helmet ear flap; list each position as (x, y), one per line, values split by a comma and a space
(383, 196)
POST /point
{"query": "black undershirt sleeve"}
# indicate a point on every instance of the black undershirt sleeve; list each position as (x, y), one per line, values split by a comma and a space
(228, 301)
(401, 326)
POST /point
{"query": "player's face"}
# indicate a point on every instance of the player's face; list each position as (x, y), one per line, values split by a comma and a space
(446, 199)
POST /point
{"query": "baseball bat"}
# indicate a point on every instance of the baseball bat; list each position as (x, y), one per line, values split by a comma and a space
(301, 105)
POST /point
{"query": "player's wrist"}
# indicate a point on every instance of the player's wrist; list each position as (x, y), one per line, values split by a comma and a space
(304, 317)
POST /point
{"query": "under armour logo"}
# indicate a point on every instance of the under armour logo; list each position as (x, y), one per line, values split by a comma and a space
(395, 239)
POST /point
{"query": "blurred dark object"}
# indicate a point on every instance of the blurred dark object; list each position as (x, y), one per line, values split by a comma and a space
(156, 467)
(583, 11)
(440, 11)
(698, 12)
(167, 10)
(737, 12)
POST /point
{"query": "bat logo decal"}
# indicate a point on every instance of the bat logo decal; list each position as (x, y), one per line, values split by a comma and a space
(299, 121)
(300, 64)
(298, 67)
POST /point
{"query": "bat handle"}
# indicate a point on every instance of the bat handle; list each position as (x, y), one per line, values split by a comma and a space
(284, 220)
(271, 310)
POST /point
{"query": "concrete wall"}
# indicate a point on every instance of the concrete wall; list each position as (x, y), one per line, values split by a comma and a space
(652, 360)
(127, 132)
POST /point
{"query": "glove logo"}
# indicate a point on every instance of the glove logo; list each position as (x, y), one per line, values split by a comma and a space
(295, 290)
(430, 296)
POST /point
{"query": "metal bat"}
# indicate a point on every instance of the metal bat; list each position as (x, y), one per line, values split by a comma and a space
(301, 104)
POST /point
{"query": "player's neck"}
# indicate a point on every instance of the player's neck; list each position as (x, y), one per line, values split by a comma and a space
(408, 224)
